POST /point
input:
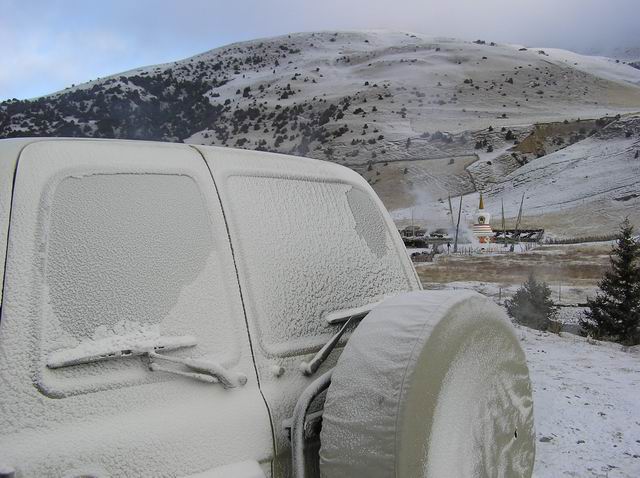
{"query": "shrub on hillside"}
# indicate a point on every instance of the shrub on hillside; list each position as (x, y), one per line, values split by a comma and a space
(532, 305)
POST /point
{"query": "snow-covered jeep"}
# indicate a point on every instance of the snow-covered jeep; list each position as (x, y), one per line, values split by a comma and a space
(175, 310)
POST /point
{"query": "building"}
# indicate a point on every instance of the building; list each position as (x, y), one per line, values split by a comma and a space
(482, 227)
(413, 231)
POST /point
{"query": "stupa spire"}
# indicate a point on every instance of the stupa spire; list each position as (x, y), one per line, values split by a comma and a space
(482, 228)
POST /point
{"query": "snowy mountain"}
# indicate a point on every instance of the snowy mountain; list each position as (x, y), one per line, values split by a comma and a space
(308, 92)
(419, 117)
(623, 53)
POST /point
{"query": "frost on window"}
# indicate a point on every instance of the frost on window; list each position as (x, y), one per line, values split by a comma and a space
(309, 248)
(130, 255)
(369, 223)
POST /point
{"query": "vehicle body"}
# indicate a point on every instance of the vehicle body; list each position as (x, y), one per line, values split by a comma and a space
(245, 253)
(171, 310)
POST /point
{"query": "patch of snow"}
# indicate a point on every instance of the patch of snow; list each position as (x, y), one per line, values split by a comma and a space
(599, 66)
(585, 404)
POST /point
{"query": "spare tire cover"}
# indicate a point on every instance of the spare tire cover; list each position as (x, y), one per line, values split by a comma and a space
(430, 384)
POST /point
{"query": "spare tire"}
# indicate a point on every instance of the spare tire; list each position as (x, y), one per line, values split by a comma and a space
(430, 384)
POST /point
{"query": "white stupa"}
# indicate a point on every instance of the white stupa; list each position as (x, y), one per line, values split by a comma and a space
(482, 227)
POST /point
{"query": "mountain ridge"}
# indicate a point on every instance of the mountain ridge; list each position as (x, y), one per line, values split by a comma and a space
(348, 57)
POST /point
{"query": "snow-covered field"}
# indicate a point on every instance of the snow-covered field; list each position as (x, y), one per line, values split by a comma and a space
(587, 406)
(586, 393)
(586, 397)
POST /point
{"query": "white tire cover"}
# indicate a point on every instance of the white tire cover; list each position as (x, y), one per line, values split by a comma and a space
(431, 384)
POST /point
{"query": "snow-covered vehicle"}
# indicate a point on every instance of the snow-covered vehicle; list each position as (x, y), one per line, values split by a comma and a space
(175, 310)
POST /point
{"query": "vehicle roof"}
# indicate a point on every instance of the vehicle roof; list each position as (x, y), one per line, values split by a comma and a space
(11, 148)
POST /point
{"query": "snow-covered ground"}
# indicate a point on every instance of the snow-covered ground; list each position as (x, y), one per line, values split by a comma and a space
(586, 393)
(587, 406)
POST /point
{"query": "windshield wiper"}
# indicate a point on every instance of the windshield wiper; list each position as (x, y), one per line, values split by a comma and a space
(147, 345)
(341, 316)
(311, 367)
(116, 347)
(346, 317)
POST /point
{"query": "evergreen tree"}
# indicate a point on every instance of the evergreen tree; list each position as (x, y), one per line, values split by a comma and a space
(615, 312)
(532, 305)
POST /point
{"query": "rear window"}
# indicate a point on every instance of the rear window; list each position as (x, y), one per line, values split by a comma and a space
(122, 248)
(309, 248)
(129, 255)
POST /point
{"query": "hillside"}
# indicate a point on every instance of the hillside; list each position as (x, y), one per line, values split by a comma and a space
(305, 92)
(582, 187)
(419, 117)
(587, 188)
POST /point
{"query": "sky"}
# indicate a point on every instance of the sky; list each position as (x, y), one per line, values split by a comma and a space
(47, 45)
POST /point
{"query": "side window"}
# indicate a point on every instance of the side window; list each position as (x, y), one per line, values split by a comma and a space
(309, 248)
(128, 258)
